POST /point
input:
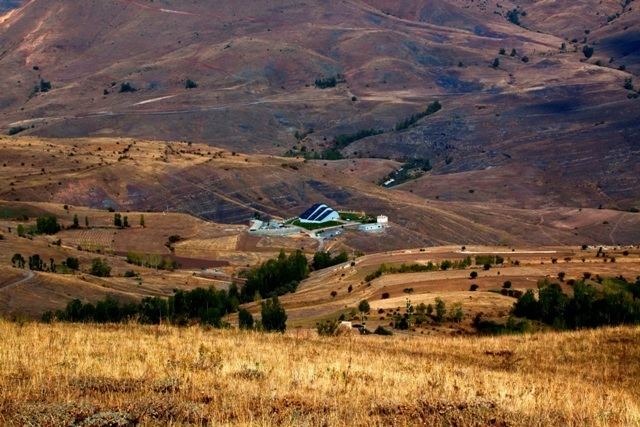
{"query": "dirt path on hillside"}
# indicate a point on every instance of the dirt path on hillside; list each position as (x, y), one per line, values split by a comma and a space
(28, 275)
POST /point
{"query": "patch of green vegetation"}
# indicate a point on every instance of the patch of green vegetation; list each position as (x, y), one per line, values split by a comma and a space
(307, 226)
(152, 261)
(16, 130)
(328, 82)
(433, 108)
(413, 169)
(357, 217)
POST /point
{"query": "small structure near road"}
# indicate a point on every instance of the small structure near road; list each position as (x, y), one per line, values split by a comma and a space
(380, 225)
(271, 228)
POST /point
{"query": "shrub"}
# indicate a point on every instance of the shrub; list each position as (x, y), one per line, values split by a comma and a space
(385, 295)
(100, 268)
(274, 317)
(245, 319)
(327, 327)
(496, 63)
(381, 330)
(334, 294)
(473, 287)
(130, 273)
(127, 87)
(364, 307)
(190, 84)
(456, 314)
(506, 284)
(587, 51)
(72, 263)
(473, 275)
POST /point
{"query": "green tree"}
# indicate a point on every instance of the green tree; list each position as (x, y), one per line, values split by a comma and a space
(117, 220)
(245, 319)
(76, 221)
(72, 263)
(364, 307)
(20, 230)
(36, 263)
(274, 317)
(47, 225)
(125, 222)
(100, 268)
(455, 313)
(587, 51)
(18, 261)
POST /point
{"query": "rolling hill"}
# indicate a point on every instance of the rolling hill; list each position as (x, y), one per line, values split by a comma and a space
(544, 114)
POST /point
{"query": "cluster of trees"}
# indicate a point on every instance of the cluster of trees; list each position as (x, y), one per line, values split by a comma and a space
(418, 268)
(343, 140)
(275, 277)
(37, 263)
(200, 305)
(327, 82)
(434, 107)
(324, 259)
(593, 304)
(152, 261)
(120, 221)
(47, 225)
(424, 313)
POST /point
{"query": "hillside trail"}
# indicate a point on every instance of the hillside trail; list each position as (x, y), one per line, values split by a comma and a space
(28, 275)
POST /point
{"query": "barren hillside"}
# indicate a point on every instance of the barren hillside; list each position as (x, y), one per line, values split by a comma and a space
(543, 107)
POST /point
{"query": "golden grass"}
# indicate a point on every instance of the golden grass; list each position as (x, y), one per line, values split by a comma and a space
(59, 374)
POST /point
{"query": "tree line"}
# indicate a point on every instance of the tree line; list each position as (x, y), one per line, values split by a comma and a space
(198, 306)
(611, 302)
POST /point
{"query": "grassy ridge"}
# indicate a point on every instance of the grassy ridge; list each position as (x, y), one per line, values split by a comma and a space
(160, 374)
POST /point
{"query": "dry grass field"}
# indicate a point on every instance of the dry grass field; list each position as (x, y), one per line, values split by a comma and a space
(125, 374)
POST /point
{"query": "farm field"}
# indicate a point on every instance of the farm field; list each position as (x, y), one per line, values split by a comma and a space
(126, 374)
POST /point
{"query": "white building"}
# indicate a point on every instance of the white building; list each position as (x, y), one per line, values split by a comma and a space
(381, 223)
(318, 214)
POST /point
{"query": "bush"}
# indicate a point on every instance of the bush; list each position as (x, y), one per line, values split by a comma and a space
(506, 284)
(380, 330)
(190, 84)
(364, 307)
(245, 319)
(587, 51)
(100, 268)
(274, 317)
(72, 263)
(327, 328)
(473, 287)
(127, 87)
(130, 273)
(473, 275)
(456, 314)
(385, 295)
